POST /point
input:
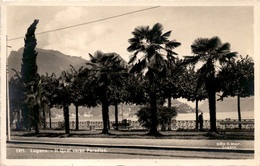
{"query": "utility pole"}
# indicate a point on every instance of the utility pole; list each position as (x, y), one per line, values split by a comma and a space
(7, 95)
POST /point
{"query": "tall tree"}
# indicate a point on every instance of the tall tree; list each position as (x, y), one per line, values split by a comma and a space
(29, 68)
(107, 71)
(34, 99)
(119, 92)
(77, 95)
(47, 92)
(237, 79)
(171, 85)
(210, 51)
(63, 98)
(193, 89)
(50, 88)
(151, 42)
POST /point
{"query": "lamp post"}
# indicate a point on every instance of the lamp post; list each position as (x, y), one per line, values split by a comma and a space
(7, 95)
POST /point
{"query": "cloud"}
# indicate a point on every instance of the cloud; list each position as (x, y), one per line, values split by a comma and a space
(74, 41)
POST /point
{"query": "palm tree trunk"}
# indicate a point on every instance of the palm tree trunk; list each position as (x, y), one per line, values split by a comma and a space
(36, 119)
(169, 102)
(197, 114)
(211, 90)
(108, 121)
(153, 129)
(169, 125)
(105, 115)
(212, 111)
(66, 118)
(239, 112)
(50, 116)
(44, 116)
(116, 116)
(169, 120)
(77, 117)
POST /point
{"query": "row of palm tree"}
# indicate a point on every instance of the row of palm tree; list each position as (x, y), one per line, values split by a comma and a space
(153, 75)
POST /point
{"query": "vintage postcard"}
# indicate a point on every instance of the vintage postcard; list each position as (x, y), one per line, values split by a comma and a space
(120, 83)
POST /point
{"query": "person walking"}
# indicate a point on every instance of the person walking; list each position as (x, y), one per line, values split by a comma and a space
(201, 120)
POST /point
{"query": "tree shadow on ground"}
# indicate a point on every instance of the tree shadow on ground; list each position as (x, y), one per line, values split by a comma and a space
(140, 134)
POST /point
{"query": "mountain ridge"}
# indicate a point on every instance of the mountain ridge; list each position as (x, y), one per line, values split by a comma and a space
(48, 61)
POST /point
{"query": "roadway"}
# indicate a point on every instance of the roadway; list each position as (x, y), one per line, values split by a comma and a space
(122, 148)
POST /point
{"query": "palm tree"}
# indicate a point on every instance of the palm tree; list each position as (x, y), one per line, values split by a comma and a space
(107, 71)
(210, 51)
(151, 42)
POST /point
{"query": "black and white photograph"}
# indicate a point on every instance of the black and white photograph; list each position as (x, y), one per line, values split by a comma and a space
(135, 84)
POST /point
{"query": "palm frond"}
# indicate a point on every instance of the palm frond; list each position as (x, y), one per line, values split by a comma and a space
(172, 44)
(167, 34)
(169, 51)
(164, 37)
(157, 62)
(133, 58)
(214, 43)
(140, 31)
(133, 40)
(154, 35)
(231, 55)
(191, 60)
(224, 48)
(92, 59)
(226, 58)
(133, 47)
(139, 67)
(98, 55)
(157, 28)
(170, 56)
(199, 45)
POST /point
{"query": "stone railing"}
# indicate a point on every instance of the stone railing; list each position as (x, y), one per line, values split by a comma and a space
(176, 125)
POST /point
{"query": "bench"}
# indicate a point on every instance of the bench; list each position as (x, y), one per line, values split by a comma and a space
(229, 122)
(122, 125)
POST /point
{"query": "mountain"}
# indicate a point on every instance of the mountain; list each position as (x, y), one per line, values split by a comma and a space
(182, 107)
(48, 61)
(230, 105)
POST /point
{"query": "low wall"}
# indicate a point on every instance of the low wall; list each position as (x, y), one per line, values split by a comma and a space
(176, 125)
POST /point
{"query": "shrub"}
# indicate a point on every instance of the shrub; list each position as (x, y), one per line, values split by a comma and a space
(164, 116)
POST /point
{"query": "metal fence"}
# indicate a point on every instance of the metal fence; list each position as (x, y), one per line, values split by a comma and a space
(175, 125)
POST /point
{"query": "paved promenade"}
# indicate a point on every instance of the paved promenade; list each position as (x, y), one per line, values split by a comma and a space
(245, 146)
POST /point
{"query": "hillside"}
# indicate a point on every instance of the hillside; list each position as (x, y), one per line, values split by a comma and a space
(48, 61)
(230, 105)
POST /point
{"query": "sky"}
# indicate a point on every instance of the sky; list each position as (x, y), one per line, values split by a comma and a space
(231, 24)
